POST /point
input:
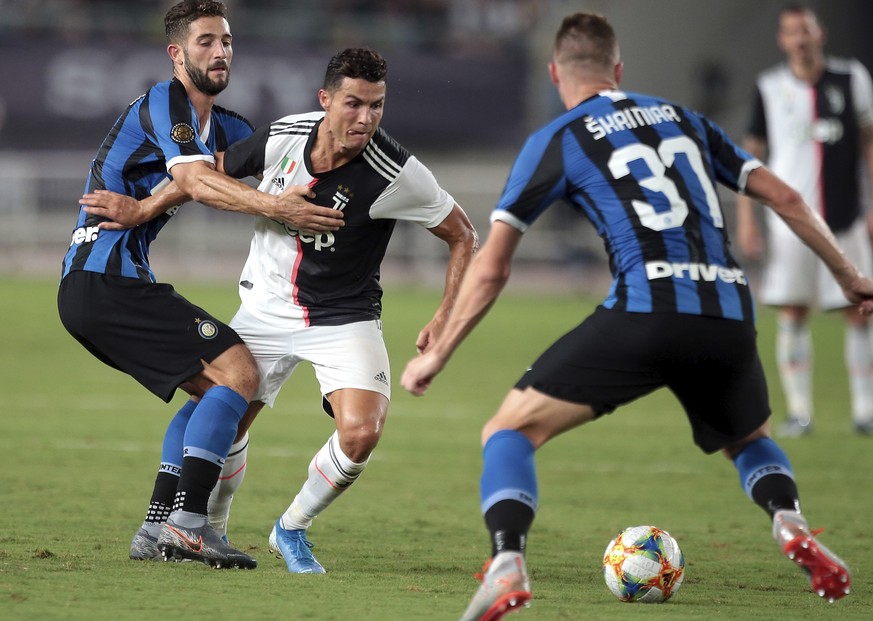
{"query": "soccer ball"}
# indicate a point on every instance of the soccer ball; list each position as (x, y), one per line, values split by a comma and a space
(643, 564)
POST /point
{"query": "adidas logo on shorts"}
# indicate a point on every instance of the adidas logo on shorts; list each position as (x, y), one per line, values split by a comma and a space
(381, 377)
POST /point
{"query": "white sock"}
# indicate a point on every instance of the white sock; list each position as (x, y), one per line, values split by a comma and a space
(858, 363)
(794, 357)
(331, 472)
(232, 475)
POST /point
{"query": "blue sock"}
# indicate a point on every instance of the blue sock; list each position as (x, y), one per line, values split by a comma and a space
(508, 472)
(766, 476)
(213, 425)
(173, 449)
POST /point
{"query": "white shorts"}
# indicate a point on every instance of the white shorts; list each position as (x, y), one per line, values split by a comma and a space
(795, 276)
(348, 356)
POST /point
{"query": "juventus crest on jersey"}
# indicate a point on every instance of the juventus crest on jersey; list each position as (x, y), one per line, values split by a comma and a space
(329, 278)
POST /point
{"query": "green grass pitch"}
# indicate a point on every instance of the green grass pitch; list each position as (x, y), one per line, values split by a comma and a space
(80, 446)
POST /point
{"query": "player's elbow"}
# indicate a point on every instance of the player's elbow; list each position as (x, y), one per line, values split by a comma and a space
(786, 199)
(189, 178)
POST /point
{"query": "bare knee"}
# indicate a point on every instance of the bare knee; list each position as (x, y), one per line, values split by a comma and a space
(732, 450)
(235, 369)
(537, 416)
(359, 441)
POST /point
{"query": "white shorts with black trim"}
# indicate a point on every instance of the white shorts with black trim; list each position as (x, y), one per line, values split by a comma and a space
(795, 276)
(348, 356)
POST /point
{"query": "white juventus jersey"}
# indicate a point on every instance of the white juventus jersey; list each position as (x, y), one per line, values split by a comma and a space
(813, 134)
(296, 278)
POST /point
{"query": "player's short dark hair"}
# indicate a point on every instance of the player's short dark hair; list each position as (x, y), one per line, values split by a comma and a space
(586, 38)
(797, 7)
(179, 17)
(355, 63)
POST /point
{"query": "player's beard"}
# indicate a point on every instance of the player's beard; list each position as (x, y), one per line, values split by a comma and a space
(202, 81)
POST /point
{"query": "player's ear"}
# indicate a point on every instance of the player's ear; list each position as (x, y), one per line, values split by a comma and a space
(175, 53)
(553, 73)
(619, 71)
(324, 98)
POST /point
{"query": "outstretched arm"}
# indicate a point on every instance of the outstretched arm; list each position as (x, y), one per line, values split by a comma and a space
(489, 270)
(125, 212)
(808, 225)
(749, 236)
(463, 241)
(867, 154)
(200, 182)
(206, 185)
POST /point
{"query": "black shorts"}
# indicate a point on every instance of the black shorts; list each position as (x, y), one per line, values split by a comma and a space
(614, 357)
(144, 329)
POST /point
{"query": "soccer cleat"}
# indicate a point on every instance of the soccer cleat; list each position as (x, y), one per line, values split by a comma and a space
(144, 546)
(293, 546)
(864, 428)
(794, 427)
(827, 573)
(504, 588)
(202, 544)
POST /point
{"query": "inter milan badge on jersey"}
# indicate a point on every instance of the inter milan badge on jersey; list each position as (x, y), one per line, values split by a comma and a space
(182, 133)
(206, 328)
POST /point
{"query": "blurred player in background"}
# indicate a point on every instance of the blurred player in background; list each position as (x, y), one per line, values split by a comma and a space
(316, 297)
(110, 302)
(813, 115)
(679, 314)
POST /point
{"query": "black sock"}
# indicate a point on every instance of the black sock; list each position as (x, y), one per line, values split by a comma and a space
(775, 492)
(163, 495)
(508, 521)
(198, 478)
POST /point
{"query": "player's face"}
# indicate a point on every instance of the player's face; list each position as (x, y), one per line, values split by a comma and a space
(800, 36)
(353, 112)
(208, 53)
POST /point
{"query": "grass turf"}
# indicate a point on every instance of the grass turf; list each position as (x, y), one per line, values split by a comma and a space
(81, 443)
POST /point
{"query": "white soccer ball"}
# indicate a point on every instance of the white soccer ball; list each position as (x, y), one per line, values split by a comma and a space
(643, 564)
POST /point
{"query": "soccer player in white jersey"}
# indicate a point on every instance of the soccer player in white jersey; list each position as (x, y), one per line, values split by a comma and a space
(814, 115)
(316, 297)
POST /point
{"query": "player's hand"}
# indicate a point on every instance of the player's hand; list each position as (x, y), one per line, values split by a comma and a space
(293, 209)
(429, 333)
(121, 211)
(860, 291)
(419, 373)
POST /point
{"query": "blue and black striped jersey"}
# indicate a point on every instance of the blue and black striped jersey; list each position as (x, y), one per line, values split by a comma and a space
(158, 130)
(643, 171)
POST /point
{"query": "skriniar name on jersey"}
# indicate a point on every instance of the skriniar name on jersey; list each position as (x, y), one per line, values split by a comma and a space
(157, 131)
(643, 171)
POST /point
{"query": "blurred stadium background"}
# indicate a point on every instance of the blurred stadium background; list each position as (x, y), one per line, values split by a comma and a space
(467, 83)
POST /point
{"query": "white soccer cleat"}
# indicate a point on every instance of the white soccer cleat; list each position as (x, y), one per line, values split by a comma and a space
(505, 588)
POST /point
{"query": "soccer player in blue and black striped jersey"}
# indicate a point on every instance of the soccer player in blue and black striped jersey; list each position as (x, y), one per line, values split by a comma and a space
(109, 299)
(679, 313)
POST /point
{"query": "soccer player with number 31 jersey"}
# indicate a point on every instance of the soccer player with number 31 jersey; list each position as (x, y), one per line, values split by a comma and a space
(679, 314)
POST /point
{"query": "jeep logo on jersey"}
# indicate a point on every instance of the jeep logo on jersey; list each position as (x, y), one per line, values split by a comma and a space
(826, 131)
(694, 271)
(318, 240)
(84, 234)
(182, 133)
